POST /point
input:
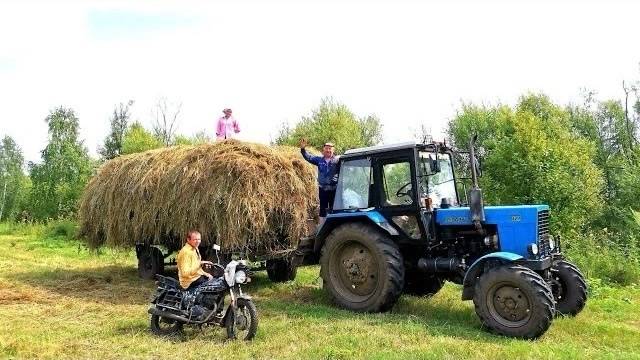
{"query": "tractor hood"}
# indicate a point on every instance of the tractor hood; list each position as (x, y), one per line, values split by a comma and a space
(518, 214)
(510, 220)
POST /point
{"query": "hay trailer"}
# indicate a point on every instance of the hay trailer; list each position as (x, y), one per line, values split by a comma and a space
(245, 197)
(398, 226)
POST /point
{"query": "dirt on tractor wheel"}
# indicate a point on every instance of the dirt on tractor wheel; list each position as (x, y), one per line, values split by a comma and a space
(242, 196)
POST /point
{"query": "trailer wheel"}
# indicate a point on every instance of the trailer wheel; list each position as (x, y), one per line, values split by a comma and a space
(420, 284)
(281, 270)
(150, 262)
(514, 301)
(362, 268)
(568, 287)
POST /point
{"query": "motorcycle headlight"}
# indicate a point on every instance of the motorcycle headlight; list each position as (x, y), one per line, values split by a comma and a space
(240, 277)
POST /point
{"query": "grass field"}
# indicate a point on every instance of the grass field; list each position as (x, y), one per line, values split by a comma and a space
(60, 300)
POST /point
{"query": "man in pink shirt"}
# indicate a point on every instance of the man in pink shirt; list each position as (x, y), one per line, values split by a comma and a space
(227, 126)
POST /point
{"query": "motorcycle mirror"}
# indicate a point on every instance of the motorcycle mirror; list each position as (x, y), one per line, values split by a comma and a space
(216, 247)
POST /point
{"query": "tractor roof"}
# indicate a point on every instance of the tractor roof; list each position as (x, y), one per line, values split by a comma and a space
(380, 149)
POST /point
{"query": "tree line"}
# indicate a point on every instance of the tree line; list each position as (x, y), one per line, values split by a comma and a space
(582, 159)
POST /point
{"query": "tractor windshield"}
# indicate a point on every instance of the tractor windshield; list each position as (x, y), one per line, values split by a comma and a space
(437, 185)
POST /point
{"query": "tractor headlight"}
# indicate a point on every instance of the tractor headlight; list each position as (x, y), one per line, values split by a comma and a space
(240, 277)
(533, 248)
(552, 243)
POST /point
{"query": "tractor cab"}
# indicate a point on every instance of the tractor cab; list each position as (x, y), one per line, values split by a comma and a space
(400, 183)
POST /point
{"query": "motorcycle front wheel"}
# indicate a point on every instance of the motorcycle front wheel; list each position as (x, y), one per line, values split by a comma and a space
(163, 326)
(243, 322)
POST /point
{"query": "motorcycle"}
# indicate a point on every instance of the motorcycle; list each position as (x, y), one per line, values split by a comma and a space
(172, 307)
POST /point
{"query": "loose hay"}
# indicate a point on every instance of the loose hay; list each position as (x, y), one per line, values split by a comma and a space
(242, 196)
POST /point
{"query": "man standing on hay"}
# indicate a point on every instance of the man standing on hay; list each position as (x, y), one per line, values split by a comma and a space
(190, 272)
(327, 174)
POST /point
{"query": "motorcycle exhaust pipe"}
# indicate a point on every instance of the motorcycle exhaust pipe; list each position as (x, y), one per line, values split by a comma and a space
(434, 265)
(168, 315)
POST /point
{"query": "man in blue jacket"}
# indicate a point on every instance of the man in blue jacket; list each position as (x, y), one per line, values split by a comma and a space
(327, 174)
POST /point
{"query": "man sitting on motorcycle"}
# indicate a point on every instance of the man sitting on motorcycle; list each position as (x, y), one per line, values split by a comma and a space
(190, 272)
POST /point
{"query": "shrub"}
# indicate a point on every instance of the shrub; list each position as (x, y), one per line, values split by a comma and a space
(67, 229)
(600, 256)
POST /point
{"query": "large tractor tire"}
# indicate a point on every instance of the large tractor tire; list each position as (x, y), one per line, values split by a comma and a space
(281, 270)
(420, 284)
(515, 301)
(150, 262)
(569, 288)
(361, 268)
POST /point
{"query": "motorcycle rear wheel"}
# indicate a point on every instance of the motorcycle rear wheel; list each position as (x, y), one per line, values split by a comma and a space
(243, 323)
(163, 327)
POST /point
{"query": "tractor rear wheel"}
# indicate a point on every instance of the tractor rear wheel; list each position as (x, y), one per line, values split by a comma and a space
(362, 269)
(420, 284)
(568, 287)
(281, 270)
(513, 300)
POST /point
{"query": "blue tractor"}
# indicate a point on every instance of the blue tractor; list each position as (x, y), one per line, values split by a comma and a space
(398, 226)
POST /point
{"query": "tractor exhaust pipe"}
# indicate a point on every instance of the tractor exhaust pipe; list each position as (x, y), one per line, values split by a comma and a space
(476, 203)
(434, 265)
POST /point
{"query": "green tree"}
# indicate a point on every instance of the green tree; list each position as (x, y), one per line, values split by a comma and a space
(613, 131)
(11, 177)
(333, 122)
(138, 139)
(119, 123)
(532, 156)
(198, 138)
(58, 181)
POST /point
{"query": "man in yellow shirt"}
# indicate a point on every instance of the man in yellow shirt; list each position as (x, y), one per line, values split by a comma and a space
(190, 263)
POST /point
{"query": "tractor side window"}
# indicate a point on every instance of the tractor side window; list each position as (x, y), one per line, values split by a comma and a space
(397, 183)
(353, 185)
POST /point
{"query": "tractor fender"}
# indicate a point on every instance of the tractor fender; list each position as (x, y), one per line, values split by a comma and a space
(332, 221)
(476, 269)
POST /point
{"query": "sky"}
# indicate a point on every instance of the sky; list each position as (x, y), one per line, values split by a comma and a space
(411, 63)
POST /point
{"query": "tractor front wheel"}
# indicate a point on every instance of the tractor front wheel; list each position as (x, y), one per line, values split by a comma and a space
(362, 268)
(569, 288)
(514, 301)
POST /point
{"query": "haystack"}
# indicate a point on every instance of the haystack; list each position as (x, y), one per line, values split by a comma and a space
(242, 196)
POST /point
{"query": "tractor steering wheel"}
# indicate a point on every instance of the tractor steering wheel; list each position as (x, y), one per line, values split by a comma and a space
(401, 193)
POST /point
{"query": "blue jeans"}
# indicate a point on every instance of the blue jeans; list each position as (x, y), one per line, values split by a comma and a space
(199, 281)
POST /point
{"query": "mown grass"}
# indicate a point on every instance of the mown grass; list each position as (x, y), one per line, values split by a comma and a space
(60, 300)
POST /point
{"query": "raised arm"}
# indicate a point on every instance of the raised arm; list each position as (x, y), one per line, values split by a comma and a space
(310, 158)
